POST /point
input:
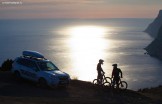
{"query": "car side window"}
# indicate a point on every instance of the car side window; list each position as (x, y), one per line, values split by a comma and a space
(28, 63)
(21, 62)
(33, 65)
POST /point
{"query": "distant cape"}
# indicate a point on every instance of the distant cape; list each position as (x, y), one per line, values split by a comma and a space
(154, 27)
(155, 47)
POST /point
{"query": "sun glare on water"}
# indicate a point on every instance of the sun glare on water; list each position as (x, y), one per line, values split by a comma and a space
(87, 46)
(87, 31)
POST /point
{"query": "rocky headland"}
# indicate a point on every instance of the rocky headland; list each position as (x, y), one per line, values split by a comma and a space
(155, 47)
(154, 27)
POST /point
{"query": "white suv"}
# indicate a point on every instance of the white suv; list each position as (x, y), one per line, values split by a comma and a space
(33, 66)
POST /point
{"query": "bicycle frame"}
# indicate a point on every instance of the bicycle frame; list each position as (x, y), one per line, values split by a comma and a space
(104, 78)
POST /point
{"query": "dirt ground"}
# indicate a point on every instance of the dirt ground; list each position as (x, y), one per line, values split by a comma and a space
(79, 92)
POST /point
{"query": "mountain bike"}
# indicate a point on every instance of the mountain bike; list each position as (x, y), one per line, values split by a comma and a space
(106, 81)
(122, 84)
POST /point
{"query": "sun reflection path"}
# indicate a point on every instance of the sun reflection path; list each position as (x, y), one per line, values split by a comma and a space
(87, 45)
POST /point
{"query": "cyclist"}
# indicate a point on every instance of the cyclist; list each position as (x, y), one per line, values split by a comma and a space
(100, 71)
(115, 75)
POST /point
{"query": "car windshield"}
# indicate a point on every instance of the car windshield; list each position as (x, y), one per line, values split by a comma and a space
(47, 66)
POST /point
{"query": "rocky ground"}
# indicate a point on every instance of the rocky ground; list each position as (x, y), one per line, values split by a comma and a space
(79, 92)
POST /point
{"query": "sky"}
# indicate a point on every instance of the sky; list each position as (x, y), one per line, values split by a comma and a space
(33, 9)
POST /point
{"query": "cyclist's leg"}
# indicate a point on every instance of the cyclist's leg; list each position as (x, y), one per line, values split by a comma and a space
(113, 82)
(117, 81)
(99, 77)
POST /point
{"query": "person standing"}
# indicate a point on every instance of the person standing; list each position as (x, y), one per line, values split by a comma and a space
(116, 75)
(100, 71)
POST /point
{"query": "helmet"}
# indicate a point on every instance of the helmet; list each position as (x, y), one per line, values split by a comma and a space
(114, 64)
(101, 61)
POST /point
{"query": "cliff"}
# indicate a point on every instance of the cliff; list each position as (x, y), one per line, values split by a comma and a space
(155, 48)
(153, 28)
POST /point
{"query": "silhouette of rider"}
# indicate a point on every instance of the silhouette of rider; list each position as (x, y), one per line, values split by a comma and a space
(100, 71)
(115, 75)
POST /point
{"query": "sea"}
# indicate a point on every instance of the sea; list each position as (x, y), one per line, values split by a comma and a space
(76, 45)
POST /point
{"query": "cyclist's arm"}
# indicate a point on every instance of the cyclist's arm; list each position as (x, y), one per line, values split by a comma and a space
(121, 74)
(102, 71)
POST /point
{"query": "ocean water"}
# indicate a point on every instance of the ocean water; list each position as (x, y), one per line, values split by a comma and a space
(76, 45)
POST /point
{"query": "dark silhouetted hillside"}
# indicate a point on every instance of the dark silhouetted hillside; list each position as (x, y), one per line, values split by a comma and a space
(154, 27)
(155, 48)
(78, 92)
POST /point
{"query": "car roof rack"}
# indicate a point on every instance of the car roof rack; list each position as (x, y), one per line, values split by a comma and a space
(33, 55)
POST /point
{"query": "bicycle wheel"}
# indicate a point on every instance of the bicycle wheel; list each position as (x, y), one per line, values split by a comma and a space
(95, 81)
(123, 85)
(108, 79)
(107, 84)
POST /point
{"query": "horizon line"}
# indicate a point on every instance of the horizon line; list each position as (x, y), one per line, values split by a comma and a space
(71, 18)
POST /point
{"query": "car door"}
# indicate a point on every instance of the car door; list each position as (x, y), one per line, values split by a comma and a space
(28, 70)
